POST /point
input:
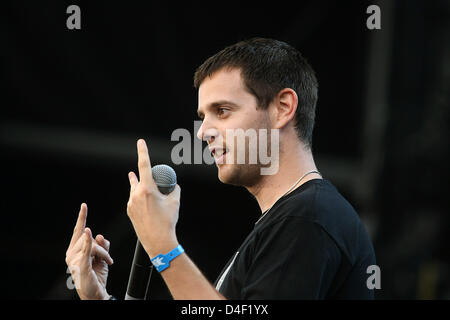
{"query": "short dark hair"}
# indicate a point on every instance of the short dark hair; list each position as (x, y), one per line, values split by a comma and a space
(268, 66)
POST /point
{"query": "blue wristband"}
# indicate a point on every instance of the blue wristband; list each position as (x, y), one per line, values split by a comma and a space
(161, 261)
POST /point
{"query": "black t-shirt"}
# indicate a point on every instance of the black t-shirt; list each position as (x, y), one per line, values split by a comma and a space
(310, 245)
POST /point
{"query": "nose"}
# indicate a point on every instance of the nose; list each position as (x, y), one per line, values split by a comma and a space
(206, 132)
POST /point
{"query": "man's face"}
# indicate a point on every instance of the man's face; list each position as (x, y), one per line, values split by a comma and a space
(225, 104)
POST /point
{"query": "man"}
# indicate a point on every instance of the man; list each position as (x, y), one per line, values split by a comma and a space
(308, 243)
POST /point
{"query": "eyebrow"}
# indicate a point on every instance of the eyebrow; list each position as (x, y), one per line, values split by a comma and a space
(216, 104)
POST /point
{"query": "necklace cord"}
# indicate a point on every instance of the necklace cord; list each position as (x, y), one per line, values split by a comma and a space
(290, 189)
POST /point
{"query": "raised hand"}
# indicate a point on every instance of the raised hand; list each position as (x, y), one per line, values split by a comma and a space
(154, 215)
(88, 260)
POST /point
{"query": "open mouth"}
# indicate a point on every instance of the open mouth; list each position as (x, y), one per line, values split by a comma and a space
(219, 155)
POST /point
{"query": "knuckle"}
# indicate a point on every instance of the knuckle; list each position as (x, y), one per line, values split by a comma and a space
(145, 190)
(69, 262)
(175, 200)
(74, 270)
(143, 163)
(129, 212)
(130, 204)
(136, 194)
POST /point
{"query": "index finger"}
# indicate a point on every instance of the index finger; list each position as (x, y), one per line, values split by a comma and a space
(80, 225)
(144, 164)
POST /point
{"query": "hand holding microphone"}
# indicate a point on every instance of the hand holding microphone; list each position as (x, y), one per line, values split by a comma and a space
(141, 268)
(153, 210)
(153, 214)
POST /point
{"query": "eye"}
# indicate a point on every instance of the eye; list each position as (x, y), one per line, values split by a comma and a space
(222, 112)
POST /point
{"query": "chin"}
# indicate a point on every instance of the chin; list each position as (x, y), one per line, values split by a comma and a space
(225, 173)
(238, 175)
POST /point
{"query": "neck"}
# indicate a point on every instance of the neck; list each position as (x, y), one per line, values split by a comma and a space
(295, 161)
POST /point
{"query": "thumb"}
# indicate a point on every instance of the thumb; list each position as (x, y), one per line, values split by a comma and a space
(176, 193)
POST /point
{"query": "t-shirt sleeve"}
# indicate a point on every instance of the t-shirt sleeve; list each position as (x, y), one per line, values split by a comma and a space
(292, 259)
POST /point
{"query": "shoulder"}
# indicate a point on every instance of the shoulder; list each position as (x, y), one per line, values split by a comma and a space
(320, 204)
(313, 201)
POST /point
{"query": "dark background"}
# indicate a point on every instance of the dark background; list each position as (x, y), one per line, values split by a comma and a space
(74, 102)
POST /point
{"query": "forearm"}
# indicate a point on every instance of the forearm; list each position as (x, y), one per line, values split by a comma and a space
(186, 282)
(154, 218)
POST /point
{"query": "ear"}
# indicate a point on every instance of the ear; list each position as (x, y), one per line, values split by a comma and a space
(284, 107)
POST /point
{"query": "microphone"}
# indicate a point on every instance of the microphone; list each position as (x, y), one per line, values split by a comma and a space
(141, 268)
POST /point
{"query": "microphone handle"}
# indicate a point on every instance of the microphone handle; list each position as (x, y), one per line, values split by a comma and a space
(142, 267)
(141, 272)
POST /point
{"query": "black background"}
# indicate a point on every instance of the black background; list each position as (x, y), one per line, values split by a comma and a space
(74, 102)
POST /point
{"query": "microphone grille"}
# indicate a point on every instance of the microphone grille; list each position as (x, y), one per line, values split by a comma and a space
(165, 178)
